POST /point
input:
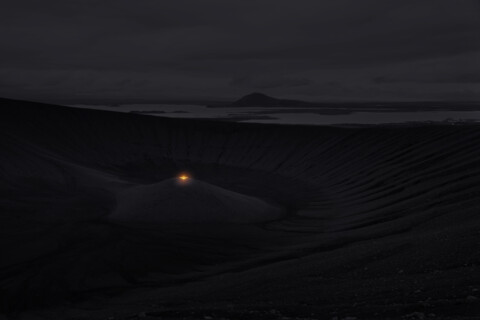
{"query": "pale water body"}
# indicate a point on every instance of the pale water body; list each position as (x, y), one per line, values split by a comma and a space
(287, 117)
(371, 117)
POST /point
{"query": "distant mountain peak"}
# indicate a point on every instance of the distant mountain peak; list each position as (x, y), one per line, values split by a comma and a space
(257, 95)
(255, 98)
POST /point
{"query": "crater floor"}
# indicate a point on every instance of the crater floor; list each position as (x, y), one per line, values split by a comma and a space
(192, 201)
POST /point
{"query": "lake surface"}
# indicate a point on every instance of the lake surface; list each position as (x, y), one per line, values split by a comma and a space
(307, 116)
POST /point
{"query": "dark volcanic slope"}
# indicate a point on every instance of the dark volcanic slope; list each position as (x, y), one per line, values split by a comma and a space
(367, 222)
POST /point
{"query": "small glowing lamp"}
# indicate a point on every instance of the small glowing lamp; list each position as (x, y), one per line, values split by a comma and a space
(183, 177)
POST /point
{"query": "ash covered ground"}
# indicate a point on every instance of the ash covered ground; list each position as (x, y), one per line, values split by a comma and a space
(277, 222)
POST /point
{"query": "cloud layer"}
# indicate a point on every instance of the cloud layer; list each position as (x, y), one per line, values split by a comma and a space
(319, 50)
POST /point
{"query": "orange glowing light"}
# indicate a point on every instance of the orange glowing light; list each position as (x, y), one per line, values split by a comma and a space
(184, 177)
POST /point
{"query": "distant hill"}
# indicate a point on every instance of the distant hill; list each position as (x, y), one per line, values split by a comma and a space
(257, 99)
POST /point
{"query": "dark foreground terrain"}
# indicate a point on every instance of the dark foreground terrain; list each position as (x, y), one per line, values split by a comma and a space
(277, 222)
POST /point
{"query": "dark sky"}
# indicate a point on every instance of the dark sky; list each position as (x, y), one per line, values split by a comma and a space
(189, 49)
